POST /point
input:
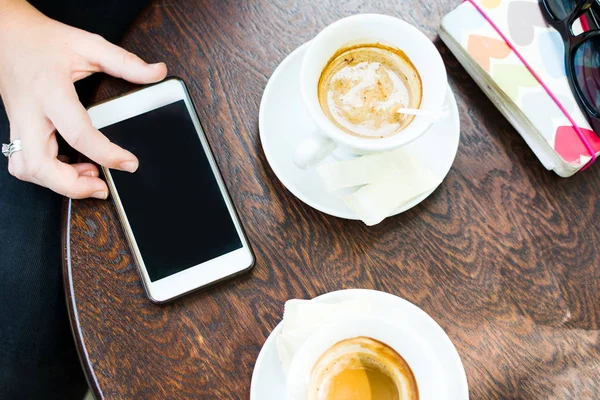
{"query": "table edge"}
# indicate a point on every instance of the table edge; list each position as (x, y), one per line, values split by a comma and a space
(71, 303)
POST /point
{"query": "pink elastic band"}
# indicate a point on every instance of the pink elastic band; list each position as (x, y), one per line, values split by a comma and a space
(584, 140)
(584, 23)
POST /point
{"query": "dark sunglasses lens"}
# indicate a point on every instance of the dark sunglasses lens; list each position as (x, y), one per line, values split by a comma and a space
(587, 71)
(561, 9)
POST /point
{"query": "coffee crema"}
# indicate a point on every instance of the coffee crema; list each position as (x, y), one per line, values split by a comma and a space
(362, 368)
(362, 87)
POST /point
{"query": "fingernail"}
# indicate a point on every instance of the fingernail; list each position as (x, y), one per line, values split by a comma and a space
(91, 173)
(100, 195)
(157, 65)
(129, 166)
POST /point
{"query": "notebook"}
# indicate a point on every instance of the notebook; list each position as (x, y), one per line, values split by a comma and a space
(474, 33)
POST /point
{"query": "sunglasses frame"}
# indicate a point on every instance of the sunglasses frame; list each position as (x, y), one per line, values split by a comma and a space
(572, 42)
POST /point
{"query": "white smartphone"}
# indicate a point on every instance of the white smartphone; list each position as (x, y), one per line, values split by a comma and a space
(182, 228)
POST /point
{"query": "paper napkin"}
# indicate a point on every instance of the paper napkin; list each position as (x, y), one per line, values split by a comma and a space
(301, 318)
(384, 181)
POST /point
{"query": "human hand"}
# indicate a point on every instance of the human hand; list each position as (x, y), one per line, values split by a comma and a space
(40, 59)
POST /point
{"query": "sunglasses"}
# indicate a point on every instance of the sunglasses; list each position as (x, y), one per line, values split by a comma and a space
(582, 51)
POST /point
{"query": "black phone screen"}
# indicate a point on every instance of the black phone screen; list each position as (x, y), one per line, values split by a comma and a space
(173, 202)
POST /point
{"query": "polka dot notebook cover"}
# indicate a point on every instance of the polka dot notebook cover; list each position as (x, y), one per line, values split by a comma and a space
(517, 59)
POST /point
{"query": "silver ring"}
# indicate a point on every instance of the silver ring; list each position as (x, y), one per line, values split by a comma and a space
(11, 148)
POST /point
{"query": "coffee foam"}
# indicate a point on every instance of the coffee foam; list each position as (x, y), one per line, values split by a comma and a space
(367, 74)
(362, 87)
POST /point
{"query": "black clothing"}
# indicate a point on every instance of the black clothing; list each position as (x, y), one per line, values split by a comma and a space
(38, 359)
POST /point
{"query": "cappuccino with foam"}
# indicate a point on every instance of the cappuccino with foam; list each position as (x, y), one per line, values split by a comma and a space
(362, 87)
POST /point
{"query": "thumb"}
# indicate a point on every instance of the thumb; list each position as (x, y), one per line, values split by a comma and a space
(120, 63)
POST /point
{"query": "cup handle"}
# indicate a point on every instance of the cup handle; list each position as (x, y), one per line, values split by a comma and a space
(312, 150)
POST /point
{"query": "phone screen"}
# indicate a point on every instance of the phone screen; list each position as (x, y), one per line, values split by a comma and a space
(173, 202)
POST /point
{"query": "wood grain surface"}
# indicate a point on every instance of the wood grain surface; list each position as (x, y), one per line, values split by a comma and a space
(504, 255)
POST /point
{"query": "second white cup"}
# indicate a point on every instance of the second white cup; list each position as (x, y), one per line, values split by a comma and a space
(405, 341)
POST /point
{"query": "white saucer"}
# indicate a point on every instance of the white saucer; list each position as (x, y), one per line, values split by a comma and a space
(284, 123)
(268, 379)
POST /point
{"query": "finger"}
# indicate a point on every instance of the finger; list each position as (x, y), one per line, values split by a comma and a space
(38, 163)
(37, 144)
(66, 180)
(120, 63)
(70, 181)
(16, 166)
(86, 169)
(73, 123)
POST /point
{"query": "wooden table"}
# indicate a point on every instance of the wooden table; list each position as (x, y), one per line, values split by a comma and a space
(504, 255)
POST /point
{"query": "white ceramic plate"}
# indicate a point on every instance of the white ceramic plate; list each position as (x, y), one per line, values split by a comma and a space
(268, 379)
(284, 123)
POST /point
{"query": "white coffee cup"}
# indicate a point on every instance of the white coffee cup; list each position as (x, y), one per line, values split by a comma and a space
(366, 29)
(400, 337)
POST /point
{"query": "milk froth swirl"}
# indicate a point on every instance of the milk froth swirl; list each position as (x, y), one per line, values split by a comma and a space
(362, 87)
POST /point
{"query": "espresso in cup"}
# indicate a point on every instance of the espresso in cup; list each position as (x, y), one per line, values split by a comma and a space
(362, 368)
(362, 87)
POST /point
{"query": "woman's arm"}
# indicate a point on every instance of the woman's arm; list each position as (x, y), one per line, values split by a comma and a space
(40, 59)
